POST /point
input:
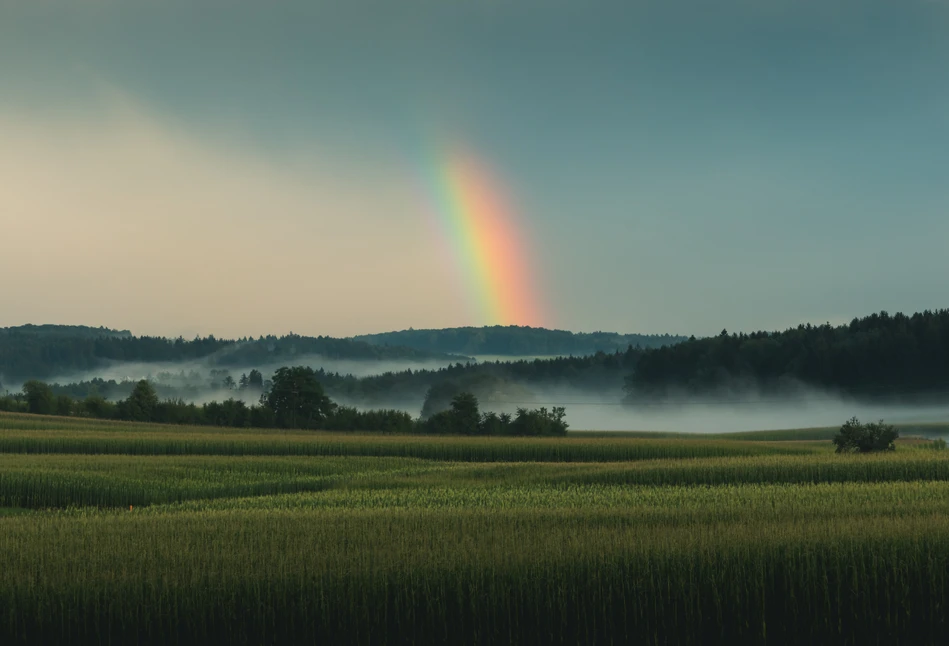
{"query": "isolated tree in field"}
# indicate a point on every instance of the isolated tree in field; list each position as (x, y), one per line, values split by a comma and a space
(854, 437)
(39, 397)
(141, 404)
(255, 380)
(297, 398)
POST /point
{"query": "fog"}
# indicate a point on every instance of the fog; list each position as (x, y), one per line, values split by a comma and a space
(588, 409)
(724, 418)
(604, 411)
(198, 373)
(731, 414)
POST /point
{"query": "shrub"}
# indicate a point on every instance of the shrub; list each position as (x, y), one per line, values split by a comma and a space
(97, 406)
(347, 418)
(12, 403)
(442, 423)
(464, 418)
(539, 422)
(855, 437)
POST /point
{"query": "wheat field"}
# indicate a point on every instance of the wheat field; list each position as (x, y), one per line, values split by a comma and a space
(149, 534)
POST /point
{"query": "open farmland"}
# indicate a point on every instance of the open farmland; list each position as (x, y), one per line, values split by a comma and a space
(118, 533)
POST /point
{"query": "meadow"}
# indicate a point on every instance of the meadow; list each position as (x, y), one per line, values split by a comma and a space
(115, 533)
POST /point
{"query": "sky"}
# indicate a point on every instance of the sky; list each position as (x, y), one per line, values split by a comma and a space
(682, 166)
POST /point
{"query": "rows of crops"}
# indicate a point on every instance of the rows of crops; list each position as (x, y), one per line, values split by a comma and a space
(528, 576)
(387, 540)
(677, 505)
(59, 481)
(462, 449)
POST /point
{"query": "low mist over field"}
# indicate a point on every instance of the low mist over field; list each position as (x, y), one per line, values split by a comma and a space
(703, 416)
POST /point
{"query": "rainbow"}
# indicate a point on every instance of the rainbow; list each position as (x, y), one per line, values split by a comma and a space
(486, 241)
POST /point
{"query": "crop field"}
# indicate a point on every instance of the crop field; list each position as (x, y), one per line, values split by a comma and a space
(117, 534)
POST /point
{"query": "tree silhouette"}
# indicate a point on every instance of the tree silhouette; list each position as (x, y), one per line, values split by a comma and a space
(297, 398)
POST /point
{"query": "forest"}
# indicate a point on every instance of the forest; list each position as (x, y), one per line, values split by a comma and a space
(518, 341)
(878, 357)
(42, 352)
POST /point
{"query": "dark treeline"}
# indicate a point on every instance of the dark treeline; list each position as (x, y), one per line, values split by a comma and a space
(25, 354)
(463, 417)
(877, 356)
(192, 386)
(45, 351)
(293, 399)
(490, 381)
(51, 331)
(514, 340)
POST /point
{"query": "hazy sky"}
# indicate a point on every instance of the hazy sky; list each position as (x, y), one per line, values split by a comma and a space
(678, 165)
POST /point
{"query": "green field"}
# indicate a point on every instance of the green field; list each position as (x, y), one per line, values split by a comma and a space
(115, 533)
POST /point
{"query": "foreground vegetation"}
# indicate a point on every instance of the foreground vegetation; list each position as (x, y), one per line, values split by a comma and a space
(409, 539)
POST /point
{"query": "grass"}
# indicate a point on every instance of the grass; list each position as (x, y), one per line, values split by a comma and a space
(239, 537)
(13, 511)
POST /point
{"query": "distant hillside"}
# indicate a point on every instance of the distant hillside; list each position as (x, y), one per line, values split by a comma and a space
(69, 331)
(516, 341)
(272, 349)
(48, 351)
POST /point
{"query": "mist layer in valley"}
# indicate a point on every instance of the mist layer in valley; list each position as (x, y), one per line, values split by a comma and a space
(604, 409)
(881, 366)
(198, 373)
(204, 380)
(597, 406)
(727, 415)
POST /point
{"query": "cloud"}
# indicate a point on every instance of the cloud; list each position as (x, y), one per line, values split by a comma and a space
(122, 218)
